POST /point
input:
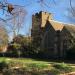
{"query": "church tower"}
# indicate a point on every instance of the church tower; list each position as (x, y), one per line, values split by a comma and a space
(38, 23)
(39, 19)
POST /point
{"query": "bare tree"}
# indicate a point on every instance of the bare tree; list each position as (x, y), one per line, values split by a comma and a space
(3, 35)
(15, 15)
(16, 19)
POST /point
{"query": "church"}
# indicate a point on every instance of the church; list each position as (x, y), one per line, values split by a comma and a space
(54, 37)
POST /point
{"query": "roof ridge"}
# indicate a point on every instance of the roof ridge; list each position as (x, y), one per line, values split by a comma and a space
(62, 22)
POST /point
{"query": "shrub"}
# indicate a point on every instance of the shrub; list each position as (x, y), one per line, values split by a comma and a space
(14, 50)
(3, 65)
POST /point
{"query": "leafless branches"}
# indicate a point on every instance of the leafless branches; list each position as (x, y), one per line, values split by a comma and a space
(3, 35)
(15, 16)
(72, 9)
(17, 21)
(44, 3)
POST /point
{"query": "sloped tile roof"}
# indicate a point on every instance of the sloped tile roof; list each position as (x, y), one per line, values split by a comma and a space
(59, 26)
(71, 29)
(56, 25)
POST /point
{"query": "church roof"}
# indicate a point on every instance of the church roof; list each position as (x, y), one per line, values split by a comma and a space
(56, 25)
(59, 26)
(71, 29)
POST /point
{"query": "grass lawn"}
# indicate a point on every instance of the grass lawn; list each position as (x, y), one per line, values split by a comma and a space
(35, 67)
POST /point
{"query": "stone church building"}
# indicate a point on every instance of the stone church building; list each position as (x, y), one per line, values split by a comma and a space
(54, 37)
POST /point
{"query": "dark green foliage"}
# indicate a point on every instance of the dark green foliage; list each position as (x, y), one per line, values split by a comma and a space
(14, 50)
(71, 53)
(3, 65)
(21, 47)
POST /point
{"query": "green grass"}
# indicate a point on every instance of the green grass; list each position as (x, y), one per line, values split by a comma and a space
(22, 60)
(35, 66)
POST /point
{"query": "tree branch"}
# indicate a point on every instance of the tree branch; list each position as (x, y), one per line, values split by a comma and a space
(73, 11)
